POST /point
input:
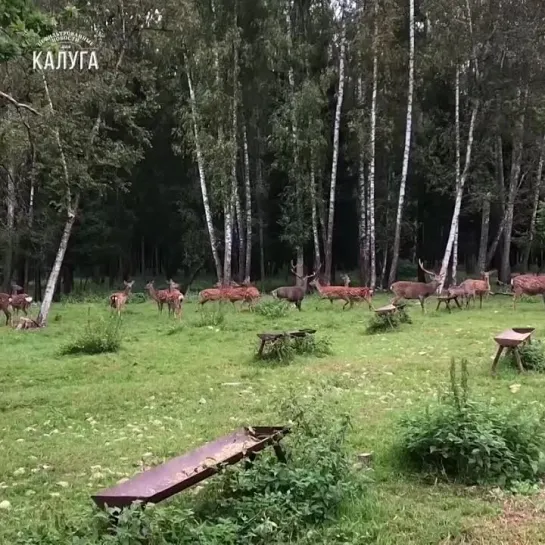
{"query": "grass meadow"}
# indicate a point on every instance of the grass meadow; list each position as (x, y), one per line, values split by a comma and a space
(73, 424)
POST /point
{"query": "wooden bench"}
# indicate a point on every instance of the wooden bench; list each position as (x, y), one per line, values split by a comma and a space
(272, 337)
(447, 299)
(163, 481)
(388, 311)
(511, 339)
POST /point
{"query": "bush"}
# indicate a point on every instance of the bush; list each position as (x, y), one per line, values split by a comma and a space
(473, 442)
(214, 318)
(272, 309)
(284, 349)
(381, 323)
(266, 503)
(532, 357)
(99, 336)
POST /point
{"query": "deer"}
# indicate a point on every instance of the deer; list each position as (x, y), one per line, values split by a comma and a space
(464, 292)
(477, 287)
(5, 306)
(119, 298)
(527, 284)
(174, 299)
(294, 294)
(332, 292)
(19, 301)
(416, 290)
(159, 296)
(357, 294)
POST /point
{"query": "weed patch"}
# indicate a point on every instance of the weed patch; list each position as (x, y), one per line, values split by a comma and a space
(380, 323)
(214, 318)
(532, 356)
(272, 309)
(100, 336)
(284, 349)
(473, 442)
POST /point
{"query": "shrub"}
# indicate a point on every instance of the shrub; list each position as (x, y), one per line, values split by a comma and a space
(473, 442)
(99, 336)
(381, 323)
(266, 503)
(272, 309)
(532, 357)
(214, 318)
(284, 349)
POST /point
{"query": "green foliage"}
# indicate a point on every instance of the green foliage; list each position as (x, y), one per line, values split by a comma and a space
(406, 270)
(532, 357)
(99, 336)
(380, 323)
(268, 502)
(284, 349)
(473, 442)
(212, 318)
(272, 309)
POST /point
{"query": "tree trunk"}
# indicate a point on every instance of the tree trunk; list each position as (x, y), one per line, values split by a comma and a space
(260, 189)
(328, 250)
(516, 159)
(202, 178)
(459, 194)
(248, 188)
(372, 159)
(458, 167)
(362, 200)
(300, 267)
(485, 227)
(314, 213)
(406, 151)
(10, 229)
(535, 206)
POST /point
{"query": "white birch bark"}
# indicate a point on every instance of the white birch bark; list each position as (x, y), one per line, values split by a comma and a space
(10, 227)
(459, 194)
(202, 176)
(314, 214)
(406, 151)
(372, 159)
(328, 250)
(485, 228)
(248, 190)
(261, 227)
(458, 166)
(535, 205)
(516, 159)
(362, 200)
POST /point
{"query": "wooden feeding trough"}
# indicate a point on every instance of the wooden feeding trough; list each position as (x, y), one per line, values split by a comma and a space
(388, 311)
(511, 339)
(272, 337)
(447, 299)
(165, 480)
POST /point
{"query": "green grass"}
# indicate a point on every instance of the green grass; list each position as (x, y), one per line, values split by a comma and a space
(70, 425)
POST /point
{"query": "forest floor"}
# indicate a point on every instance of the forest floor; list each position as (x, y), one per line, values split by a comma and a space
(71, 425)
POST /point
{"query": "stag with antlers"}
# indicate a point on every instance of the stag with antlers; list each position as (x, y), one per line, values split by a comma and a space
(416, 290)
(294, 294)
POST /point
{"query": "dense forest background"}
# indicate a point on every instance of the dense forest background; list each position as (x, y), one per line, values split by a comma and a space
(233, 136)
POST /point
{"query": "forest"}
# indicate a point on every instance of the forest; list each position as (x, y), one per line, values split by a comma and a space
(235, 136)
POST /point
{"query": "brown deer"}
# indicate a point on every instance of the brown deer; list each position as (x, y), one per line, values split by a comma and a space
(416, 290)
(333, 293)
(527, 284)
(463, 292)
(119, 298)
(294, 294)
(477, 287)
(358, 294)
(19, 301)
(174, 299)
(159, 296)
(5, 306)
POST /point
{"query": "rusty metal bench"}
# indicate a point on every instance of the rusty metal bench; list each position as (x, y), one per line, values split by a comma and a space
(272, 337)
(163, 481)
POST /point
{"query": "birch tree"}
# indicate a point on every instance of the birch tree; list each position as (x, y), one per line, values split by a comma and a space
(406, 150)
(248, 203)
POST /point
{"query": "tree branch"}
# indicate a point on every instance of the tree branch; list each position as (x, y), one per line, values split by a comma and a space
(19, 105)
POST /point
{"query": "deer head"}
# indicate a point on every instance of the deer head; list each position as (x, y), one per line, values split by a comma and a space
(436, 278)
(304, 279)
(128, 285)
(346, 279)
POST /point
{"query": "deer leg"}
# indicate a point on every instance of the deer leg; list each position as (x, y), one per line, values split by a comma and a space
(480, 300)
(298, 305)
(422, 301)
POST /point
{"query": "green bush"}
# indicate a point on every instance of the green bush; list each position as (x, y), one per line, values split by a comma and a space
(532, 357)
(284, 349)
(473, 442)
(266, 503)
(272, 309)
(379, 323)
(214, 318)
(99, 336)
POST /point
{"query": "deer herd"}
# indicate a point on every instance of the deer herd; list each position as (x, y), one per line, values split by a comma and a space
(246, 292)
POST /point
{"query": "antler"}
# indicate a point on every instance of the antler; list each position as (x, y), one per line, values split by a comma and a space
(425, 270)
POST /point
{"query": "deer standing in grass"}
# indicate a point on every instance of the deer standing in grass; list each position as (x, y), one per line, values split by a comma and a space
(119, 298)
(159, 296)
(294, 294)
(333, 293)
(19, 301)
(5, 306)
(478, 288)
(527, 284)
(464, 292)
(416, 290)
(358, 294)
(175, 298)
